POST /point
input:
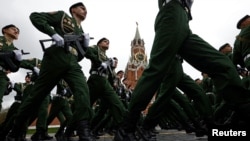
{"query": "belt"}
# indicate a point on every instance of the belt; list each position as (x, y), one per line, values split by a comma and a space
(167, 1)
(73, 51)
(59, 96)
(208, 93)
(246, 57)
(2, 69)
(18, 101)
(98, 73)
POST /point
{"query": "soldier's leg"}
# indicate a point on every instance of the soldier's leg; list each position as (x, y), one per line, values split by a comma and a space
(3, 84)
(99, 114)
(220, 68)
(164, 94)
(6, 125)
(196, 93)
(41, 122)
(47, 80)
(82, 110)
(116, 108)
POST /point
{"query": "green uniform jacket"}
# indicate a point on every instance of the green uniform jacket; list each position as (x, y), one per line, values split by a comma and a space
(19, 88)
(5, 47)
(97, 56)
(43, 22)
(242, 47)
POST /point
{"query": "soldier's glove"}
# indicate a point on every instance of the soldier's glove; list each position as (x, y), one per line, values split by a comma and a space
(58, 39)
(18, 55)
(113, 62)
(36, 70)
(103, 67)
(86, 40)
(12, 84)
(64, 92)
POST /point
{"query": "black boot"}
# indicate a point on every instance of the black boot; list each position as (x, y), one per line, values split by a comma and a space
(3, 135)
(68, 135)
(146, 134)
(121, 135)
(16, 137)
(83, 131)
(59, 135)
(10, 138)
(200, 130)
(46, 136)
(36, 137)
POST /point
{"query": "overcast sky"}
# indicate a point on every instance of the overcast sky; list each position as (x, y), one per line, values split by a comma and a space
(213, 20)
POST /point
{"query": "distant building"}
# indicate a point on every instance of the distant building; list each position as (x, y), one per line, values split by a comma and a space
(137, 62)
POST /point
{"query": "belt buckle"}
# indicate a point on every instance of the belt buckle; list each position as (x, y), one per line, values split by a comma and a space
(73, 51)
(165, 2)
(2, 69)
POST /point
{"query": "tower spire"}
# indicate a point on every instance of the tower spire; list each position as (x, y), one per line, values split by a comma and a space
(137, 34)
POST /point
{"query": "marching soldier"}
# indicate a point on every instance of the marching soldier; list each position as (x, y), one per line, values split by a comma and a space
(173, 36)
(9, 120)
(60, 105)
(60, 62)
(99, 85)
(10, 56)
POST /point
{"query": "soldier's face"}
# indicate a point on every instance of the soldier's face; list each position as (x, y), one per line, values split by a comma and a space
(104, 44)
(227, 50)
(245, 23)
(27, 79)
(12, 32)
(80, 12)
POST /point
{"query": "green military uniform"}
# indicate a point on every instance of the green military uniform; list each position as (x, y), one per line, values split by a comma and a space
(193, 92)
(41, 120)
(57, 64)
(4, 47)
(42, 113)
(241, 50)
(208, 86)
(173, 36)
(103, 116)
(60, 105)
(10, 117)
(30, 64)
(99, 85)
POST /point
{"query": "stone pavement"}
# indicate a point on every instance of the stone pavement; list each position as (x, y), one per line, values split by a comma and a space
(164, 135)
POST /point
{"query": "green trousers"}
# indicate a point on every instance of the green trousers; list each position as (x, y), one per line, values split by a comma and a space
(56, 65)
(41, 116)
(173, 36)
(100, 88)
(7, 124)
(60, 108)
(3, 84)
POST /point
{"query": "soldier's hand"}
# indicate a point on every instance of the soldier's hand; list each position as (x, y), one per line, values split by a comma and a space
(103, 67)
(18, 54)
(58, 39)
(12, 84)
(36, 70)
(86, 40)
(113, 62)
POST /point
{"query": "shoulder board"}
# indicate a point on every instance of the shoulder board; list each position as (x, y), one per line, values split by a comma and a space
(93, 46)
(53, 12)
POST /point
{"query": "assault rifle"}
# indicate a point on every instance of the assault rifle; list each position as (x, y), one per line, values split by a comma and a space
(71, 39)
(109, 64)
(241, 70)
(9, 58)
(24, 53)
